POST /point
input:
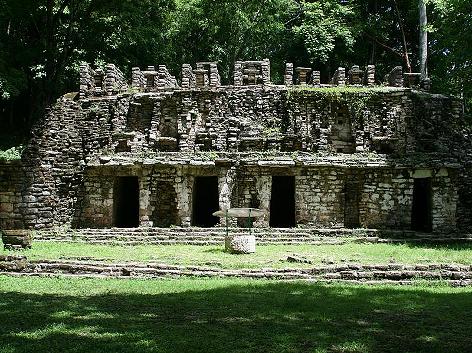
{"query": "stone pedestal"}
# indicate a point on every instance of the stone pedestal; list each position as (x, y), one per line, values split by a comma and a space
(240, 244)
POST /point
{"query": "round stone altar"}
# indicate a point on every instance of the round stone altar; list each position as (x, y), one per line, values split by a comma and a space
(240, 244)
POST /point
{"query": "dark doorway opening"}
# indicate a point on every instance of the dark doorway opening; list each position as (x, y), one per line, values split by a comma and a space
(126, 202)
(421, 213)
(351, 205)
(205, 201)
(282, 202)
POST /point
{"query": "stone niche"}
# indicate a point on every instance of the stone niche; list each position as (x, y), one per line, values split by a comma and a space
(342, 139)
(252, 72)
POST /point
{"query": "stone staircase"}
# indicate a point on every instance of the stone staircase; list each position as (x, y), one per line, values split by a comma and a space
(215, 236)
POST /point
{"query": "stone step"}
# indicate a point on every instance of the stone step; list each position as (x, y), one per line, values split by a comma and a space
(216, 235)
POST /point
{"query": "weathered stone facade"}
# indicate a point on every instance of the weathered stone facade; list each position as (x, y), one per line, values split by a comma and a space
(156, 154)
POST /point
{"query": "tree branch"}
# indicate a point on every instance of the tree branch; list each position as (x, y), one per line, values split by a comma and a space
(298, 14)
(393, 50)
(407, 58)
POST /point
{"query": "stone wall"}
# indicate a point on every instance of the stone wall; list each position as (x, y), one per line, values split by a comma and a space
(353, 151)
(52, 166)
(163, 197)
(320, 197)
(464, 180)
(11, 185)
(97, 207)
(256, 119)
(382, 198)
(387, 198)
(99, 82)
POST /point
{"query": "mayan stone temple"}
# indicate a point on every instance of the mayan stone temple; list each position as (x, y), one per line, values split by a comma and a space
(154, 152)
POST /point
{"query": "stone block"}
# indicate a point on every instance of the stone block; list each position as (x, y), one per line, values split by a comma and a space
(240, 244)
(13, 239)
(6, 207)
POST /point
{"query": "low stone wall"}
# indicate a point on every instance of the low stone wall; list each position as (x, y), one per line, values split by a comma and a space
(456, 274)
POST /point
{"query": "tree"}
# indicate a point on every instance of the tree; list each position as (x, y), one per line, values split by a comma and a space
(451, 50)
(43, 43)
(323, 26)
(230, 30)
(423, 46)
(389, 31)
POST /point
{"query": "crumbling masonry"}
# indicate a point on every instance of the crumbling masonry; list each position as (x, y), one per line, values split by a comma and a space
(161, 153)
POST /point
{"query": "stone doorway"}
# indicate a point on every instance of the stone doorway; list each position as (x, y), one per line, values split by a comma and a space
(421, 213)
(205, 201)
(351, 205)
(126, 202)
(282, 202)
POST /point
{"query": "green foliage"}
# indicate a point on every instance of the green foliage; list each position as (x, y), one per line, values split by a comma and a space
(356, 98)
(207, 155)
(228, 30)
(11, 154)
(325, 24)
(271, 132)
(451, 51)
(12, 82)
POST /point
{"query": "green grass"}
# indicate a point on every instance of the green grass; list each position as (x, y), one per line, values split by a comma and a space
(214, 315)
(266, 255)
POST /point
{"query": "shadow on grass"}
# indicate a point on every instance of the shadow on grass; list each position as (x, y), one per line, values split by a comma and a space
(441, 245)
(239, 317)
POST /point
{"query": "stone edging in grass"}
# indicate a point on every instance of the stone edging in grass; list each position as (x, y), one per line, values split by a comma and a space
(215, 236)
(459, 274)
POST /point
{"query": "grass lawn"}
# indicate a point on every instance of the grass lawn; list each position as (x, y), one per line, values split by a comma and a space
(265, 256)
(214, 315)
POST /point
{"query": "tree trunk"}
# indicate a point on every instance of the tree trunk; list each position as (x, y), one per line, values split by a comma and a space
(406, 56)
(423, 39)
(374, 44)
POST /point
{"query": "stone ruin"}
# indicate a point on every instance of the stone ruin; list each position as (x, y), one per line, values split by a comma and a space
(159, 152)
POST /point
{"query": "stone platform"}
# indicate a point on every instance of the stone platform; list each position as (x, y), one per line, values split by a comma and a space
(215, 236)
